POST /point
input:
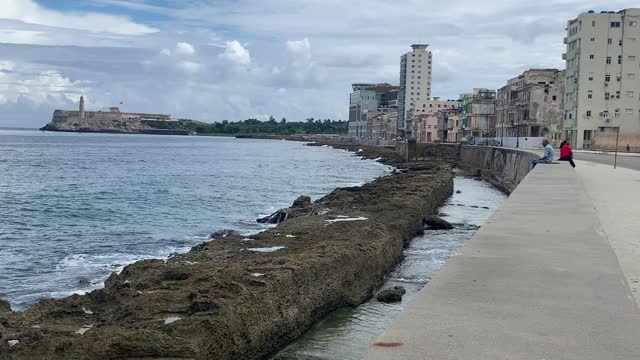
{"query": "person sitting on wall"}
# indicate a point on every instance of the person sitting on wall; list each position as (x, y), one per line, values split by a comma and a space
(548, 155)
(566, 154)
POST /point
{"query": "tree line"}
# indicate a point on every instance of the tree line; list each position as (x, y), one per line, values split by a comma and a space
(255, 126)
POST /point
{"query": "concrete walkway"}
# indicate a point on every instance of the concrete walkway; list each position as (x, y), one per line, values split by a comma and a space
(616, 197)
(538, 281)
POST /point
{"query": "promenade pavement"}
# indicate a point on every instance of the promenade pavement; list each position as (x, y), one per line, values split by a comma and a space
(616, 197)
(539, 281)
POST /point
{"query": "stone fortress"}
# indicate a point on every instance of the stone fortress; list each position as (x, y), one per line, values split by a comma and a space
(115, 121)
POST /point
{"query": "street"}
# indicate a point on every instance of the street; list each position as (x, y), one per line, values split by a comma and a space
(630, 162)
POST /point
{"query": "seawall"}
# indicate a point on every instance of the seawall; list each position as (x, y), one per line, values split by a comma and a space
(538, 281)
(238, 297)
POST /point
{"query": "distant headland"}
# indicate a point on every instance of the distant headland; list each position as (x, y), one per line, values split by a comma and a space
(115, 121)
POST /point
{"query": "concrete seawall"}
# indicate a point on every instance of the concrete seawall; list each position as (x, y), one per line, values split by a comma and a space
(539, 281)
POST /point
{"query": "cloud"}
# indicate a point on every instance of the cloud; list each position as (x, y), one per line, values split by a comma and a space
(235, 53)
(302, 59)
(29, 11)
(185, 48)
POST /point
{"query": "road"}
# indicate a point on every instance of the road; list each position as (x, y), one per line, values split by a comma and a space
(629, 162)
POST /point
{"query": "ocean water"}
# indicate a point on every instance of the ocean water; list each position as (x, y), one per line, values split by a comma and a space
(76, 207)
(347, 332)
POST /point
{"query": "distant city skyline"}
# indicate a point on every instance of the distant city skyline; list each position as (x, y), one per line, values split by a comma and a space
(215, 61)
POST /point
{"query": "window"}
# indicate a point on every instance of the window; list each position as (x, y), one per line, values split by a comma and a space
(606, 96)
(605, 114)
(430, 105)
(588, 113)
(590, 94)
(608, 59)
(552, 98)
(609, 41)
(413, 61)
(620, 43)
(593, 39)
(618, 94)
(619, 59)
(593, 23)
(424, 105)
(607, 78)
(616, 113)
(615, 24)
(592, 56)
(590, 77)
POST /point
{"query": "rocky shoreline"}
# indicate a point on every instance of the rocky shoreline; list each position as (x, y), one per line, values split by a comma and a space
(241, 297)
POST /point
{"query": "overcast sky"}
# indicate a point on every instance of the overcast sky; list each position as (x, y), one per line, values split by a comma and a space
(236, 59)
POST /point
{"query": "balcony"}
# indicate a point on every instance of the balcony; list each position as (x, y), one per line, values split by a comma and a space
(564, 56)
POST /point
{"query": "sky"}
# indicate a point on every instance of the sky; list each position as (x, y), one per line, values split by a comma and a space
(237, 59)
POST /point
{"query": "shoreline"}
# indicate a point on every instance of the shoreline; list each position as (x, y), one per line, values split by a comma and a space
(240, 296)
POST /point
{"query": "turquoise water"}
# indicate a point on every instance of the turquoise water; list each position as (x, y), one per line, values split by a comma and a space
(75, 207)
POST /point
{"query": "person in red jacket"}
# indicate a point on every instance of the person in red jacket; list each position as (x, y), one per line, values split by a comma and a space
(566, 154)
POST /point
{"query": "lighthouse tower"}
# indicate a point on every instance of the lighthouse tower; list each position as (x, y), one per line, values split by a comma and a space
(82, 107)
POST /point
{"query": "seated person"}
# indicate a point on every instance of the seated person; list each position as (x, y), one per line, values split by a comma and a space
(566, 154)
(548, 155)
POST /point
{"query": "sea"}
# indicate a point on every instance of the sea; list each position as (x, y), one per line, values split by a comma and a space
(75, 207)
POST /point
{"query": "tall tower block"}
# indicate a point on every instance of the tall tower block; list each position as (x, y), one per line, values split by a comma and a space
(82, 107)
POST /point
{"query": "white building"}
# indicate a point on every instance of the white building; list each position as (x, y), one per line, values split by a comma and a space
(415, 85)
(602, 87)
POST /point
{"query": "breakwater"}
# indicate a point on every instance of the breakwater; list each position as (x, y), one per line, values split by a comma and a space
(238, 296)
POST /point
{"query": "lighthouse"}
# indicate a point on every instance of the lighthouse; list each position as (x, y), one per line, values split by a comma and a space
(82, 107)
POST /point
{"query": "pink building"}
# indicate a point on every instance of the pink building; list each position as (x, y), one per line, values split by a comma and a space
(427, 125)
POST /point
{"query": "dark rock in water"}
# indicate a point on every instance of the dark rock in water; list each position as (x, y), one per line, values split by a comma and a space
(485, 207)
(301, 202)
(437, 223)
(458, 192)
(474, 206)
(393, 294)
(4, 306)
(443, 214)
(222, 233)
(300, 207)
(84, 283)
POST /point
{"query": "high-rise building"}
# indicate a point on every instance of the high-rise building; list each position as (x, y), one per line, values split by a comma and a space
(602, 87)
(415, 86)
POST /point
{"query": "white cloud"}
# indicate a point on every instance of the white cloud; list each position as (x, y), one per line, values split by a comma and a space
(300, 51)
(190, 67)
(29, 11)
(235, 53)
(166, 52)
(185, 48)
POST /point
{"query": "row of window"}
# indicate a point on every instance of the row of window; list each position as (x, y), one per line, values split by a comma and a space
(605, 114)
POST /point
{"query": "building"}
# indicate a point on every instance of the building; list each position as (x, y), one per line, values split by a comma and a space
(478, 110)
(448, 125)
(384, 124)
(427, 127)
(530, 105)
(602, 77)
(365, 101)
(415, 86)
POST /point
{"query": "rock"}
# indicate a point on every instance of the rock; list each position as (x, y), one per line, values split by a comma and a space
(393, 294)
(458, 192)
(84, 283)
(4, 306)
(222, 233)
(436, 223)
(301, 202)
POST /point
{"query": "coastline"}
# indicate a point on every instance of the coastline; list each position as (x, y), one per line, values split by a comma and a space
(239, 296)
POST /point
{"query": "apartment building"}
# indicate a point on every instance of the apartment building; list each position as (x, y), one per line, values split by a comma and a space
(531, 104)
(479, 112)
(365, 101)
(427, 127)
(415, 86)
(602, 88)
